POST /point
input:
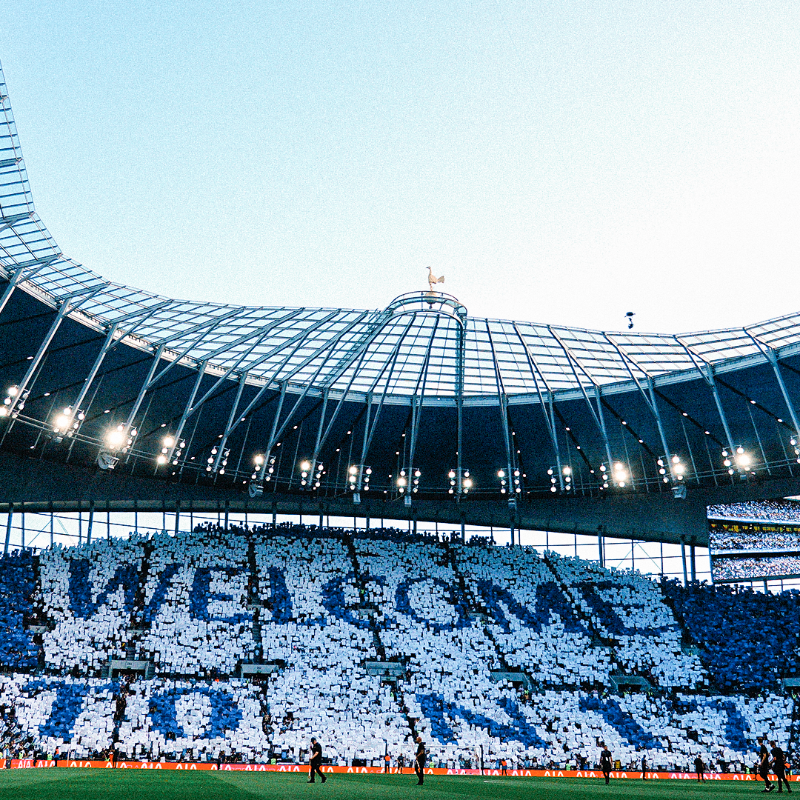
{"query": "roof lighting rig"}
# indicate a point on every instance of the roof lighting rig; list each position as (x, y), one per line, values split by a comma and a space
(118, 439)
(560, 480)
(408, 483)
(13, 402)
(617, 475)
(794, 444)
(67, 423)
(358, 478)
(460, 482)
(311, 475)
(171, 451)
(217, 462)
(737, 459)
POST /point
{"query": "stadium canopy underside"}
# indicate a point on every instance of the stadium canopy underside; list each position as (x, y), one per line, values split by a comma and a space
(113, 397)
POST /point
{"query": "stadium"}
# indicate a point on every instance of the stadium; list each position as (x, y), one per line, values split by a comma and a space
(229, 529)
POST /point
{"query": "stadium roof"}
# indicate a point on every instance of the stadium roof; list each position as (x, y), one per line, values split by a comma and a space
(419, 385)
(352, 351)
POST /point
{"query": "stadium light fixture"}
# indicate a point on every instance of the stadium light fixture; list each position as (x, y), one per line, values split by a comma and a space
(311, 474)
(119, 438)
(737, 459)
(460, 482)
(13, 402)
(211, 461)
(561, 480)
(171, 450)
(263, 471)
(358, 478)
(67, 422)
(264, 465)
(671, 469)
(622, 475)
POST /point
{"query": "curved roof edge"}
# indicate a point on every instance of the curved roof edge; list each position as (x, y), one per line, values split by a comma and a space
(358, 352)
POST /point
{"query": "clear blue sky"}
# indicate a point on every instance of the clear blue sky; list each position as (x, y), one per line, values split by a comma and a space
(558, 161)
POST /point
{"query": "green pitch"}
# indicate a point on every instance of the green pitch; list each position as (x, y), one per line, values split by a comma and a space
(94, 784)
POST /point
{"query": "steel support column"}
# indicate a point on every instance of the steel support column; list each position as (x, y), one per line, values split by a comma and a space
(683, 561)
(9, 520)
(91, 523)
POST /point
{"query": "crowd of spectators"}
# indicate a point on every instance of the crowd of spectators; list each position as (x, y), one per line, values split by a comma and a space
(628, 611)
(757, 511)
(743, 569)
(531, 620)
(70, 716)
(195, 613)
(17, 586)
(182, 720)
(720, 540)
(314, 628)
(88, 593)
(495, 652)
(748, 641)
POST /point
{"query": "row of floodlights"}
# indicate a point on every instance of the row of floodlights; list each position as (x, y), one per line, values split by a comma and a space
(67, 422)
(618, 474)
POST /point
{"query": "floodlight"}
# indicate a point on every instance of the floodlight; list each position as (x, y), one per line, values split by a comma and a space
(115, 438)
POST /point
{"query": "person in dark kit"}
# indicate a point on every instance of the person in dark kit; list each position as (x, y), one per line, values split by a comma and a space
(316, 761)
(419, 761)
(699, 768)
(779, 767)
(644, 768)
(605, 762)
(763, 764)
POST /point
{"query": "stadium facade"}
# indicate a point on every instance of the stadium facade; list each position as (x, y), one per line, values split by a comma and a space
(115, 398)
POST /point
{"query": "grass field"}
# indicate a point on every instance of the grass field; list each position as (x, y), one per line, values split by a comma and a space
(35, 784)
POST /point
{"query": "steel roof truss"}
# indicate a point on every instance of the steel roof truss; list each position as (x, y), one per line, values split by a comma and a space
(66, 307)
(546, 404)
(706, 371)
(503, 406)
(774, 362)
(231, 417)
(597, 414)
